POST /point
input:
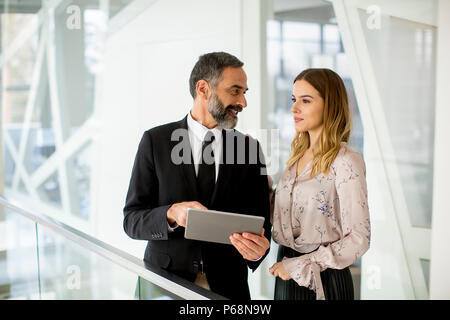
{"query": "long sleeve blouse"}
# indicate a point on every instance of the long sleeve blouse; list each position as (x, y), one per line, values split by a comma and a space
(326, 217)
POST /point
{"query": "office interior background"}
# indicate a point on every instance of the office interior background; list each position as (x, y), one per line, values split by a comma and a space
(82, 80)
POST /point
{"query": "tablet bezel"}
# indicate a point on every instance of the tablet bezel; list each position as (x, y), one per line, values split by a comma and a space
(225, 224)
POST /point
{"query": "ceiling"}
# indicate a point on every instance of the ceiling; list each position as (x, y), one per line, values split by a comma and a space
(319, 11)
(20, 6)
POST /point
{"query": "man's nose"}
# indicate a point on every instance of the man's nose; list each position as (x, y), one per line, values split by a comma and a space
(242, 102)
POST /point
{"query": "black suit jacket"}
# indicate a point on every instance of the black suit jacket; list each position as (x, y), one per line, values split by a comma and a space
(157, 182)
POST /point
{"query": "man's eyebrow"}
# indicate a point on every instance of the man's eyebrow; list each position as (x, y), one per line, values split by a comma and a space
(239, 87)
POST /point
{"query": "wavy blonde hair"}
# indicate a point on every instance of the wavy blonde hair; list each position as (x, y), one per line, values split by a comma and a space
(336, 121)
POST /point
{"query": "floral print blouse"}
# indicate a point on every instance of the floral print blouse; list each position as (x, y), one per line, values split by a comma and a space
(327, 212)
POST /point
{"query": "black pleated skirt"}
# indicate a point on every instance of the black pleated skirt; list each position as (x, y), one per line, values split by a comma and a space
(337, 284)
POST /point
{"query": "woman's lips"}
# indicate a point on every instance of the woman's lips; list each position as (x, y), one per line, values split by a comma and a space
(297, 119)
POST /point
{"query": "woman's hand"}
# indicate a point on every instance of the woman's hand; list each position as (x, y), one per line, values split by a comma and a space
(278, 270)
(270, 182)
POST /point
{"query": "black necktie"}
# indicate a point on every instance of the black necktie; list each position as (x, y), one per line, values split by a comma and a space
(206, 177)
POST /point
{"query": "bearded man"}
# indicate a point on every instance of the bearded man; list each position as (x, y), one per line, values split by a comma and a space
(199, 162)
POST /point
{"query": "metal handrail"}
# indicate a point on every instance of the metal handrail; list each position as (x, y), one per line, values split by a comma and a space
(170, 282)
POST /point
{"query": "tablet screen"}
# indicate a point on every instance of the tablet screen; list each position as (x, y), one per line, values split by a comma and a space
(217, 226)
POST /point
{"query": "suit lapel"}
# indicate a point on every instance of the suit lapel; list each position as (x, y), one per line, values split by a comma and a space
(188, 169)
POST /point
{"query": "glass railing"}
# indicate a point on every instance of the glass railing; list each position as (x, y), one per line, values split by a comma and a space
(41, 258)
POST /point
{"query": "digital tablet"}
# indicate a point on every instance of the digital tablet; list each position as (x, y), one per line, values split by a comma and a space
(217, 226)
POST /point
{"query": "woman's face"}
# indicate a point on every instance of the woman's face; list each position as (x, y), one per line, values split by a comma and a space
(307, 107)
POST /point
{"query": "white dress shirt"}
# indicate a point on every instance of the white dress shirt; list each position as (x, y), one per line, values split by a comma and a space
(197, 133)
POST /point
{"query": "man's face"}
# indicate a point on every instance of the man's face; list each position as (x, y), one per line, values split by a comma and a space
(228, 99)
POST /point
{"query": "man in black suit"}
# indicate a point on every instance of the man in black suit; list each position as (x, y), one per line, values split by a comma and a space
(202, 162)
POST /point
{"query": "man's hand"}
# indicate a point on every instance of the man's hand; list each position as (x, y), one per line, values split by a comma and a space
(178, 212)
(278, 270)
(249, 245)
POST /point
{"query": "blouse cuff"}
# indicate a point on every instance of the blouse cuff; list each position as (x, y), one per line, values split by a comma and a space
(306, 273)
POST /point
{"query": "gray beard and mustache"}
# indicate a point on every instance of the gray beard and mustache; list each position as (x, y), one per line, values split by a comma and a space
(220, 113)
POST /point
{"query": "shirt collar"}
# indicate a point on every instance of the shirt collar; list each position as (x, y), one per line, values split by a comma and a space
(200, 130)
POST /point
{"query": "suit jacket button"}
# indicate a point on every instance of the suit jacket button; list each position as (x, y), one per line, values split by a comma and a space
(196, 266)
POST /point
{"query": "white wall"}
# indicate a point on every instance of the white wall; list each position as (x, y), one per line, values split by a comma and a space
(440, 238)
(145, 83)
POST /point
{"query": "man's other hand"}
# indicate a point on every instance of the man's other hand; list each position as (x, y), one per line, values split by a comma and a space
(250, 246)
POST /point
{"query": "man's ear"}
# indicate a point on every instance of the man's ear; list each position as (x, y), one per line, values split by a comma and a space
(203, 89)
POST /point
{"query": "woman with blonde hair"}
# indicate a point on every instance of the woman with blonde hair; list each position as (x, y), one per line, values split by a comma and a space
(320, 214)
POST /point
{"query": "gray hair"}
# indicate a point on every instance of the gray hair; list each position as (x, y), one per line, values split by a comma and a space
(209, 67)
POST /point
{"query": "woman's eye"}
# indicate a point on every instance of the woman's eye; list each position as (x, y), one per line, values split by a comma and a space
(293, 99)
(306, 101)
